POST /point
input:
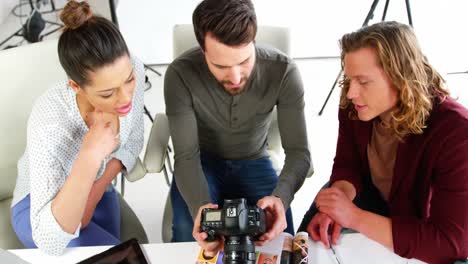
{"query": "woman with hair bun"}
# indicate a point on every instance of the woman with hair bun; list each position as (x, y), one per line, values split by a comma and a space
(80, 135)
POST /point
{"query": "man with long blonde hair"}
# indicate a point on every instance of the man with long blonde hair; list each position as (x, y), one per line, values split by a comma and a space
(400, 174)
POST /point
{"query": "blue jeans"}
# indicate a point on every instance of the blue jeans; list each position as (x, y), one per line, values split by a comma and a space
(104, 228)
(227, 179)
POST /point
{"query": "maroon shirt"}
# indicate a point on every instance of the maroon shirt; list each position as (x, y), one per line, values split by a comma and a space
(428, 200)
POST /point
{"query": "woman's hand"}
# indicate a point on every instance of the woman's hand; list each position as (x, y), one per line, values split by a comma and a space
(101, 139)
(338, 206)
(319, 226)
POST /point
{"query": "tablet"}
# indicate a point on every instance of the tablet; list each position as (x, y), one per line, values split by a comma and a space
(127, 252)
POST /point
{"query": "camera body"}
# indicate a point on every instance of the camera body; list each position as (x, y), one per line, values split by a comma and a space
(240, 224)
(236, 218)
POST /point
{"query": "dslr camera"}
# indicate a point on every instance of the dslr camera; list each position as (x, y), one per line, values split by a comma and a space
(240, 224)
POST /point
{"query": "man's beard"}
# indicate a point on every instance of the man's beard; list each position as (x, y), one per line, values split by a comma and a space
(234, 90)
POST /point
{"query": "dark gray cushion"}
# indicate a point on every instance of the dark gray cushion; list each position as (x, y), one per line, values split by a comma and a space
(130, 226)
(8, 239)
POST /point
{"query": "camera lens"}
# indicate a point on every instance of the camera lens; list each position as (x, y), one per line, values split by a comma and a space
(239, 250)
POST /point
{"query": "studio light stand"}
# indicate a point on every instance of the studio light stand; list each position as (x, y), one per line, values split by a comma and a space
(116, 22)
(147, 112)
(28, 30)
(369, 16)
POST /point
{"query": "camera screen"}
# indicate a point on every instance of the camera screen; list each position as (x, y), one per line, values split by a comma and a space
(213, 216)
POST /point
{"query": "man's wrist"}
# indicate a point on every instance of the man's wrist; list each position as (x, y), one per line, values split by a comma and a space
(357, 219)
(346, 187)
(279, 197)
(282, 201)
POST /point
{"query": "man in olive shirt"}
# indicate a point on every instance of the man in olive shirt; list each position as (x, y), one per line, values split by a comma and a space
(219, 101)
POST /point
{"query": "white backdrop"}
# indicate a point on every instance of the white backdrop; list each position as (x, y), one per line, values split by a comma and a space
(5, 8)
(315, 25)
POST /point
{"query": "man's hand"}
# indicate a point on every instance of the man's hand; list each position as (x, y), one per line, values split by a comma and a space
(319, 226)
(335, 203)
(210, 248)
(275, 217)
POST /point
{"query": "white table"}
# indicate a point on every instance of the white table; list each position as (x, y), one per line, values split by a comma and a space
(156, 253)
(356, 249)
(352, 249)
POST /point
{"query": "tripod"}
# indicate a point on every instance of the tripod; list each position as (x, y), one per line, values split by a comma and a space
(23, 31)
(369, 16)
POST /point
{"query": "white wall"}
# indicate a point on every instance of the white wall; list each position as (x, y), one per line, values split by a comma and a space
(5, 8)
(316, 25)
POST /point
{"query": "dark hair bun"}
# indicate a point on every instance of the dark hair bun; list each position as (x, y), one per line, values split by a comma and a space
(75, 14)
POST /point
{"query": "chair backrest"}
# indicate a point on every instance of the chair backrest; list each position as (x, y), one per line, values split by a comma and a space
(183, 38)
(277, 37)
(26, 72)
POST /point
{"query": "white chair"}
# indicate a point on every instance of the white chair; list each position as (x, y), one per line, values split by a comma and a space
(27, 71)
(183, 38)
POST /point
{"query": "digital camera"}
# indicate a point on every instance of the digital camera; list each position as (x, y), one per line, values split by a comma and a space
(240, 224)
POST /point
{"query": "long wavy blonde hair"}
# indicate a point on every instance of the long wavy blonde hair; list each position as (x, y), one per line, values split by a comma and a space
(418, 84)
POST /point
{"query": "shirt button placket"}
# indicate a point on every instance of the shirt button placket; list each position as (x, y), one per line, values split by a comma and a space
(234, 111)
